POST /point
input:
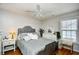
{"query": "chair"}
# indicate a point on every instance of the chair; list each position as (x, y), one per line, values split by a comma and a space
(67, 43)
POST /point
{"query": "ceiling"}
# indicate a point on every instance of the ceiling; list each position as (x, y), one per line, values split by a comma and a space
(52, 9)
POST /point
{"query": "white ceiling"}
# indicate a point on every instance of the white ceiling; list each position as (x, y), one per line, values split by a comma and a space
(53, 8)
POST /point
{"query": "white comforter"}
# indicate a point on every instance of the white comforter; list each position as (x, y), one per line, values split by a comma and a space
(32, 47)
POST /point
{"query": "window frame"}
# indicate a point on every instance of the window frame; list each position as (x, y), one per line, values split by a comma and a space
(68, 29)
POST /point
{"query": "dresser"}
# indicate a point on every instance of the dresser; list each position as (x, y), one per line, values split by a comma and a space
(8, 44)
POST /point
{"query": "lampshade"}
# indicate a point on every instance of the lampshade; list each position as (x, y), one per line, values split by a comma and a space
(13, 34)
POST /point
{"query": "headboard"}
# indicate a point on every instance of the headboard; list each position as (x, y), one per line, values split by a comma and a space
(26, 29)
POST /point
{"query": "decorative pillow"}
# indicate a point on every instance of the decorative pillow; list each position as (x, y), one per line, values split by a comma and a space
(26, 38)
(49, 36)
(33, 36)
(20, 36)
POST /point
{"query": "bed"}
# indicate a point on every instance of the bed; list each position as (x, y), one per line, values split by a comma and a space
(34, 46)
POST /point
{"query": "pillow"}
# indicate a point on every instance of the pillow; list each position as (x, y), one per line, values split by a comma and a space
(49, 36)
(26, 38)
(20, 36)
(33, 36)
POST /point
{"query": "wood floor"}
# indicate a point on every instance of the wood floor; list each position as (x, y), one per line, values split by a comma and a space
(11, 52)
(64, 51)
(60, 52)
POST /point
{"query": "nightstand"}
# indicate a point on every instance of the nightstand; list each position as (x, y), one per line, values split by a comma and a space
(8, 44)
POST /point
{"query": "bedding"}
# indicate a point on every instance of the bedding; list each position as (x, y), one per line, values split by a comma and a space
(32, 47)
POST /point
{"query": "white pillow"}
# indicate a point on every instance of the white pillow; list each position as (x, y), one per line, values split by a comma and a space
(20, 36)
(26, 38)
(49, 36)
(33, 36)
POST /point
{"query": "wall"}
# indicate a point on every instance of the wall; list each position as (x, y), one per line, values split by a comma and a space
(54, 24)
(50, 24)
(10, 21)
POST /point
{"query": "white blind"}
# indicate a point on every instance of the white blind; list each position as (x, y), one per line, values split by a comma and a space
(68, 28)
(69, 25)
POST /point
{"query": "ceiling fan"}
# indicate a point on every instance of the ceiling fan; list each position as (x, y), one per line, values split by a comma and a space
(38, 12)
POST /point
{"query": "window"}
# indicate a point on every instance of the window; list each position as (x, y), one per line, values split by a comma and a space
(69, 28)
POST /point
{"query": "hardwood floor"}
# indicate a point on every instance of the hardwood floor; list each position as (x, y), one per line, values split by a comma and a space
(64, 51)
(11, 52)
(60, 52)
